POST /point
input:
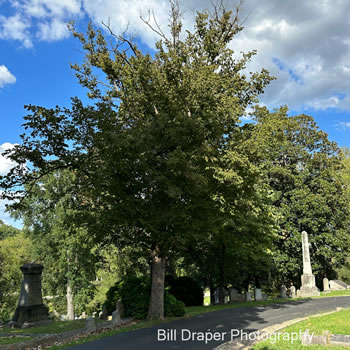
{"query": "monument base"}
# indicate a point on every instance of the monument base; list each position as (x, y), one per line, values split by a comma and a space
(27, 316)
(308, 286)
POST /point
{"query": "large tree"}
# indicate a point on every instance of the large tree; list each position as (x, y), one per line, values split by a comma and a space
(303, 168)
(153, 153)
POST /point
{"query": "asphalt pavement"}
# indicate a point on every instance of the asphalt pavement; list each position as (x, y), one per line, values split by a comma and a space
(209, 330)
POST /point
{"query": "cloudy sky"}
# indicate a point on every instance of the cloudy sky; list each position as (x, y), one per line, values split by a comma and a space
(305, 44)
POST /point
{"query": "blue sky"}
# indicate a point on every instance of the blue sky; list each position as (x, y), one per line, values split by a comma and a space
(306, 46)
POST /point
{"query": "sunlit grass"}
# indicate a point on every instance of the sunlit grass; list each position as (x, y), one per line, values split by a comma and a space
(336, 323)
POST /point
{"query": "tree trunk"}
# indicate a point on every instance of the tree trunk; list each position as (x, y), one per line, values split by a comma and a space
(222, 275)
(70, 303)
(257, 282)
(156, 304)
(212, 295)
(221, 291)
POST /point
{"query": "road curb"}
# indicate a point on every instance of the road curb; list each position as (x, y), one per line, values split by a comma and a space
(239, 344)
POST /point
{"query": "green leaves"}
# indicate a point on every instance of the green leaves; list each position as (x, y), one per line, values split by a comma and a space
(302, 167)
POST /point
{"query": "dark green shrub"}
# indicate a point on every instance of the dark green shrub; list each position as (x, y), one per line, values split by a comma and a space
(172, 306)
(185, 289)
(112, 296)
(135, 294)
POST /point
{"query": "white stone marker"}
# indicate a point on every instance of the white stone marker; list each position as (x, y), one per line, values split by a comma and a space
(325, 285)
(308, 284)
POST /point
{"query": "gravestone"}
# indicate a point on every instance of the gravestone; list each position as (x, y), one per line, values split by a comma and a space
(308, 285)
(103, 315)
(283, 291)
(30, 310)
(248, 296)
(116, 316)
(226, 296)
(216, 296)
(90, 325)
(326, 285)
(120, 308)
(241, 297)
(257, 294)
(233, 293)
(292, 292)
(338, 285)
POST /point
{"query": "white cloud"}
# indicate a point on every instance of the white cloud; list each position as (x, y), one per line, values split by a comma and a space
(5, 166)
(52, 31)
(309, 39)
(343, 125)
(6, 77)
(44, 20)
(16, 28)
(5, 163)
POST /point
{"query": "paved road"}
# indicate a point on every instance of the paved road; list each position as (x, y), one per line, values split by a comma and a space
(224, 323)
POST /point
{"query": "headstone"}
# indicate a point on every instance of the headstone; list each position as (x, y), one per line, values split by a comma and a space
(257, 294)
(120, 308)
(116, 319)
(241, 297)
(283, 291)
(90, 325)
(292, 292)
(226, 296)
(216, 296)
(308, 284)
(248, 296)
(30, 310)
(263, 296)
(103, 314)
(325, 285)
(118, 313)
(233, 293)
(338, 285)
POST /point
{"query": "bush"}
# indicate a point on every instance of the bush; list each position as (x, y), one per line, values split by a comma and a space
(112, 296)
(135, 294)
(172, 306)
(185, 289)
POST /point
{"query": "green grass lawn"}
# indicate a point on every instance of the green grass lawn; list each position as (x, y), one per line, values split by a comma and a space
(336, 323)
(12, 340)
(196, 310)
(51, 328)
(337, 293)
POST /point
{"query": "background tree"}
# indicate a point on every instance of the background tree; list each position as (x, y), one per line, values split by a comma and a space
(15, 250)
(52, 220)
(303, 169)
(7, 230)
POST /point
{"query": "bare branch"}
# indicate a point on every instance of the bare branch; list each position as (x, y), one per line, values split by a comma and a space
(158, 30)
(121, 37)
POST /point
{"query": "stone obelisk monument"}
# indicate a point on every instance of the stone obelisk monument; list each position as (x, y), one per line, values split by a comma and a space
(30, 310)
(308, 285)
